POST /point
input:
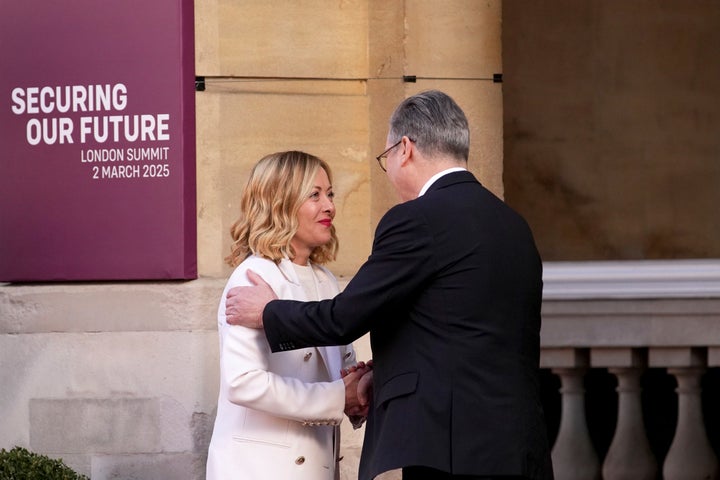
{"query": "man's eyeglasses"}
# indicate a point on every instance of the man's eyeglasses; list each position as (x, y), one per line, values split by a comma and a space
(383, 156)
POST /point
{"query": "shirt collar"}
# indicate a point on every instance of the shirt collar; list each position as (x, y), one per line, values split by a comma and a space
(435, 177)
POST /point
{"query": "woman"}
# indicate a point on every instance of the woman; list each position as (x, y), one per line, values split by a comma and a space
(278, 413)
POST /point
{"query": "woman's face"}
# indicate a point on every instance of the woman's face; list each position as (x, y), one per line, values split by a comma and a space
(314, 219)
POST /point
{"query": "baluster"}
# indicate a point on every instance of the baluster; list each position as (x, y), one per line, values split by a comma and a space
(629, 456)
(690, 456)
(573, 455)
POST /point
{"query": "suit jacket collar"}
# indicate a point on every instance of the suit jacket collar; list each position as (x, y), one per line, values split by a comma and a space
(452, 179)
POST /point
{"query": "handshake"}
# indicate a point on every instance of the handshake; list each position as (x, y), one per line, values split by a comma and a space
(358, 391)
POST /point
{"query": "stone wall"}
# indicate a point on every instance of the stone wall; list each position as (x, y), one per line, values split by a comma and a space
(612, 110)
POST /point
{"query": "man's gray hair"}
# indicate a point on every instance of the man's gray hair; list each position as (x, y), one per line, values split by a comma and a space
(434, 122)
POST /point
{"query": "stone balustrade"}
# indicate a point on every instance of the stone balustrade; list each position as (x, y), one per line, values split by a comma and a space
(628, 319)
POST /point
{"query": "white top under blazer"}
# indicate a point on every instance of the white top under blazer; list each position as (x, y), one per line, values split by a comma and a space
(278, 413)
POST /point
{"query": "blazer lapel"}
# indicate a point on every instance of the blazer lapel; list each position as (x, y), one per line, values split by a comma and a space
(331, 356)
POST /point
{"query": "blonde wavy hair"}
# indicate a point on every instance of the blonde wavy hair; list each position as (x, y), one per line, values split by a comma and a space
(278, 185)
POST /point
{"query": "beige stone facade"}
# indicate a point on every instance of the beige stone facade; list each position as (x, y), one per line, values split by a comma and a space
(120, 379)
(612, 109)
(324, 77)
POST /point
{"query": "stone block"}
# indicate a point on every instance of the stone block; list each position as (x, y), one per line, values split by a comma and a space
(618, 357)
(180, 466)
(310, 39)
(85, 307)
(677, 357)
(243, 122)
(457, 40)
(564, 358)
(85, 425)
(714, 357)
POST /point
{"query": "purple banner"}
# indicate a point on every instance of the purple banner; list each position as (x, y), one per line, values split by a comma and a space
(97, 121)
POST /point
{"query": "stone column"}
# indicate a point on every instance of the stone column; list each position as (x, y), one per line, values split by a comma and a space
(690, 455)
(629, 456)
(573, 454)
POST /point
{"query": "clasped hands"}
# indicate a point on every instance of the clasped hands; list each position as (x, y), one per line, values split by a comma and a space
(358, 381)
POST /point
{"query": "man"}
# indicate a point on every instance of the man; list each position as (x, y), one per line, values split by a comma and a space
(451, 296)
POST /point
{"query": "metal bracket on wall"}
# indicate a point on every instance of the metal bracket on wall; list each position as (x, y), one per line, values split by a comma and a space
(496, 78)
(199, 84)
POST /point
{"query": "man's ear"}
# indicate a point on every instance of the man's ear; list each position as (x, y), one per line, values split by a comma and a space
(408, 151)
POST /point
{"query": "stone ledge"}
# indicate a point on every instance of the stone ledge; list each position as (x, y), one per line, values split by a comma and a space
(630, 323)
(655, 279)
(108, 307)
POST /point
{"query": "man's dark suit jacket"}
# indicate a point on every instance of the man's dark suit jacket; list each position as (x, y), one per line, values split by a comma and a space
(451, 296)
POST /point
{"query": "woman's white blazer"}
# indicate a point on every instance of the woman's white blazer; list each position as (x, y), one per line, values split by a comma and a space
(275, 418)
